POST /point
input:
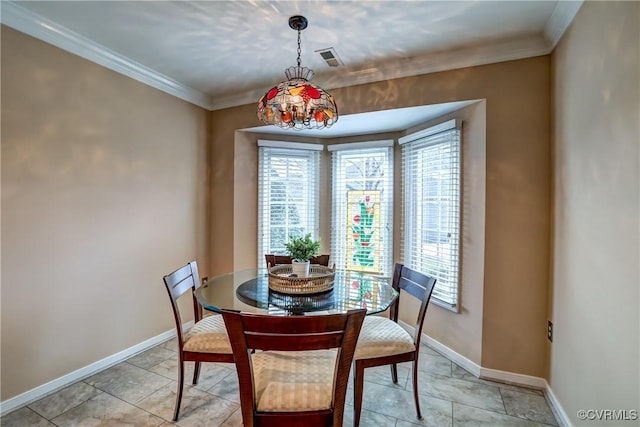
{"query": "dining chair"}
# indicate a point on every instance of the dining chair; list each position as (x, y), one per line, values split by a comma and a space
(206, 341)
(383, 341)
(298, 372)
(273, 260)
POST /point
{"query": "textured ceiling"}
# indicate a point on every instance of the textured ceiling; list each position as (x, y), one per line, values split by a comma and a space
(224, 53)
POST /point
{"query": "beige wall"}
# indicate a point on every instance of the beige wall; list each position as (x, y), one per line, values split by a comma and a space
(104, 190)
(595, 357)
(516, 264)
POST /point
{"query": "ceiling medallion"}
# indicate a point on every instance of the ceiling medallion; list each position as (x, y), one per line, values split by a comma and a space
(297, 103)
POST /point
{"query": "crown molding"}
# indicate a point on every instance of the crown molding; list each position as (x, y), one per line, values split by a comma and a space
(560, 20)
(30, 23)
(508, 50)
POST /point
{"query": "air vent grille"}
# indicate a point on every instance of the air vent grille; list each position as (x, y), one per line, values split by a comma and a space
(330, 56)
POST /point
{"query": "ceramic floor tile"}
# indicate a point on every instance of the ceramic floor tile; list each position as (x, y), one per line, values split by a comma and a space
(169, 368)
(162, 403)
(458, 371)
(61, 401)
(528, 406)
(434, 363)
(235, 420)
(462, 391)
(400, 404)
(521, 389)
(105, 410)
(368, 418)
(403, 423)
(210, 373)
(211, 411)
(171, 344)
(151, 357)
(24, 417)
(461, 373)
(382, 375)
(227, 388)
(467, 416)
(128, 382)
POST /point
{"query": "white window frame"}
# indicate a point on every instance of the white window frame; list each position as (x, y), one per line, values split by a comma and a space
(441, 259)
(339, 205)
(308, 189)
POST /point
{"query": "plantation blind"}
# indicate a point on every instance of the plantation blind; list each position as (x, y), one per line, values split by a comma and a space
(288, 200)
(362, 212)
(430, 226)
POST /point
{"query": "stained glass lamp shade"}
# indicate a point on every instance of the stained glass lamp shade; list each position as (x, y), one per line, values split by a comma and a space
(297, 103)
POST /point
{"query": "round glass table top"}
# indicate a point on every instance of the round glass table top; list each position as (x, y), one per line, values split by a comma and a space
(248, 290)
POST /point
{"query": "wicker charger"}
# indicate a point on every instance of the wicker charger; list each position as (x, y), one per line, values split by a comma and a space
(320, 279)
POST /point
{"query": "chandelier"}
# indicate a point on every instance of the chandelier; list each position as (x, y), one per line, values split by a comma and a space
(297, 103)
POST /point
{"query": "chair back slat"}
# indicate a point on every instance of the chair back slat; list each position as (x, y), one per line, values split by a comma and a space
(294, 342)
(180, 287)
(285, 325)
(415, 289)
(179, 281)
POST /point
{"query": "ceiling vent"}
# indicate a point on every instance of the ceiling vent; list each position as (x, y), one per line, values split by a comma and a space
(330, 56)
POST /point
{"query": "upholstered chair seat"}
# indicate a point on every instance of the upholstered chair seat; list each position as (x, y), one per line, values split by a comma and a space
(208, 336)
(380, 337)
(294, 381)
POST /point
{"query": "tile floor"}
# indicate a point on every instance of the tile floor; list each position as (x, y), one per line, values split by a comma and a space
(141, 392)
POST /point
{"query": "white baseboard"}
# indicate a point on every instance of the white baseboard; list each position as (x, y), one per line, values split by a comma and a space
(558, 411)
(41, 391)
(452, 355)
(499, 376)
(513, 378)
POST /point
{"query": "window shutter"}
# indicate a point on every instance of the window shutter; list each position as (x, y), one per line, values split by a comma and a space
(431, 188)
(288, 200)
(362, 212)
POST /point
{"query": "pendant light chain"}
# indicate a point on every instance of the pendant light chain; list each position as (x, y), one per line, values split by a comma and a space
(299, 50)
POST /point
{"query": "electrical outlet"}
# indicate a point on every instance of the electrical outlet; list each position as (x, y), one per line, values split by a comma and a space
(549, 330)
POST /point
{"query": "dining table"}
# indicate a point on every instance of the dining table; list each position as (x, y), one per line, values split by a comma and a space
(249, 291)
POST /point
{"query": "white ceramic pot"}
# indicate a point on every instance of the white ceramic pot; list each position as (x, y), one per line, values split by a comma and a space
(301, 269)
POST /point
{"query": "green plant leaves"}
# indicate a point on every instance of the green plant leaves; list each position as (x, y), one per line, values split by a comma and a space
(303, 248)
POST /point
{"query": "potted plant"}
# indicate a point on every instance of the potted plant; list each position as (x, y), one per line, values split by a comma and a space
(301, 250)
